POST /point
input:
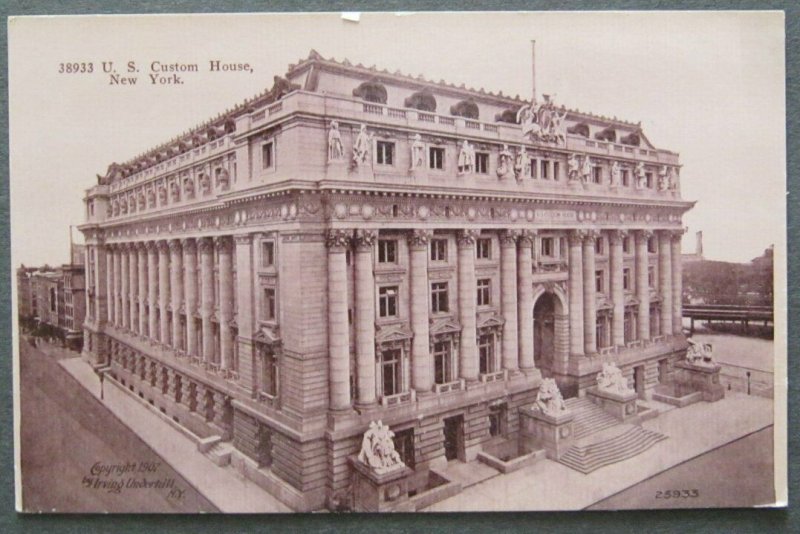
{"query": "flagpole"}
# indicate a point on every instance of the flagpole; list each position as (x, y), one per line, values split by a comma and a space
(533, 71)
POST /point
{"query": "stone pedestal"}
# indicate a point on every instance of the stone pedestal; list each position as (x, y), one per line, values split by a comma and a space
(702, 378)
(621, 405)
(380, 492)
(553, 433)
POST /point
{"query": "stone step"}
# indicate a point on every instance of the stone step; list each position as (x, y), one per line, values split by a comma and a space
(220, 453)
(609, 450)
(594, 462)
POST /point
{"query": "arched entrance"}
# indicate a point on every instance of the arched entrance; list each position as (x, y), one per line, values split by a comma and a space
(544, 320)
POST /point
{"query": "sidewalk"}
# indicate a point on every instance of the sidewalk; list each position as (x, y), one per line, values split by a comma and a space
(223, 486)
(549, 485)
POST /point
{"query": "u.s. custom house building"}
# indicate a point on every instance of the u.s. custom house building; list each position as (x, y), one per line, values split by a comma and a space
(355, 245)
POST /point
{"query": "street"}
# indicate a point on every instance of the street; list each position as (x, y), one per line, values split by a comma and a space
(78, 457)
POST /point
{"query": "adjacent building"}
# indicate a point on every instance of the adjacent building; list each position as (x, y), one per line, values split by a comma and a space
(356, 245)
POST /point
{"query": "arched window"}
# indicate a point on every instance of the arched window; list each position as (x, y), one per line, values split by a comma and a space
(422, 100)
(465, 108)
(371, 91)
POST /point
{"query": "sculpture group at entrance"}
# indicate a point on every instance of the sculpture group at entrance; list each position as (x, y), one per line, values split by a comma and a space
(377, 449)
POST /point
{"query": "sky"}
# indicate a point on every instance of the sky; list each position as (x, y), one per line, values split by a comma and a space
(709, 86)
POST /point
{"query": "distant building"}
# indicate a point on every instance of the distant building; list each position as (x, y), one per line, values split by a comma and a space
(698, 250)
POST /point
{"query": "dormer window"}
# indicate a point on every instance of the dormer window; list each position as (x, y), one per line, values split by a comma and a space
(466, 108)
(371, 91)
(422, 100)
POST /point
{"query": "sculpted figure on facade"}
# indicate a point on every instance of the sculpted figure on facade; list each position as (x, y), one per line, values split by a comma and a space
(223, 179)
(615, 174)
(188, 187)
(205, 183)
(504, 162)
(377, 449)
(664, 179)
(573, 168)
(361, 147)
(542, 122)
(142, 201)
(466, 158)
(335, 147)
(699, 353)
(417, 152)
(151, 198)
(175, 191)
(610, 379)
(521, 163)
(549, 400)
(162, 195)
(586, 170)
(641, 176)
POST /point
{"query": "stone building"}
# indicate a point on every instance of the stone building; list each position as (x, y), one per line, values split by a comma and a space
(55, 297)
(355, 245)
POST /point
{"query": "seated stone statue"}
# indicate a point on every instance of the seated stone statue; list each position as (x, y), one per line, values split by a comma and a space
(699, 354)
(377, 449)
(549, 400)
(610, 379)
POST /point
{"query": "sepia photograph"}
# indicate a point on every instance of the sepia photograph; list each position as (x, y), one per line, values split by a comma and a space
(398, 262)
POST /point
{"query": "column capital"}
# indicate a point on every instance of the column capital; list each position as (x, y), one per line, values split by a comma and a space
(243, 239)
(590, 235)
(508, 238)
(175, 245)
(577, 236)
(189, 245)
(338, 239)
(616, 236)
(163, 245)
(526, 238)
(205, 244)
(467, 238)
(223, 244)
(419, 238)
(677, 234)
(643, 235)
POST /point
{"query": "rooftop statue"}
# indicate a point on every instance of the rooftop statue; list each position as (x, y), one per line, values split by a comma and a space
(417, 152)
(610, 379)
(549, 400)
(700, 354)
(504, 162)
(361, 147)
(335, 148)
(466, 158)
(377, 449)
(542, 122)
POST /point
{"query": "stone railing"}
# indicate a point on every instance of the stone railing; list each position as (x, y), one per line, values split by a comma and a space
(636, 343)
(605, 351)
(496, 376)
(399, 398)
(265, 398)
(456, 385)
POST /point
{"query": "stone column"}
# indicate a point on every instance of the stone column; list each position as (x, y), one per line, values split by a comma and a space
(245, 315)
(677, 283)
(589, 295)
(152, 289)
(111, 288)
(100, 285)
(525, 303)
(617, 290)
(421, 363)
(118, 285)
(190, 294)
(176, 287)
(576, 292)
(224, 249)
(143, 289)
(338, 330)
(133, 284)
(665, 280)
(206, 247)
(642, 283)
(467, 304)
(508, 297)
(125, 287)
(163, 291)
(365, 316)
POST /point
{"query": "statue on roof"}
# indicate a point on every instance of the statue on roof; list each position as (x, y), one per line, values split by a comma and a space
(466, 158)
(361, 147)
(504, 162)
(542, 122)
(521, 163)
(417, 152)
(335, 148)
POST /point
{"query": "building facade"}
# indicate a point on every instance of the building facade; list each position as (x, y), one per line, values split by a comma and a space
(355, 245)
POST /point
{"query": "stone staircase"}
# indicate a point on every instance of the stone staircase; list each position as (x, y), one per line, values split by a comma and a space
(602, 440)
(220, 453)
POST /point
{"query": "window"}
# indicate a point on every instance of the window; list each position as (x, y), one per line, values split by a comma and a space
(391, 371)
(404, 445)
(439, 298)
(651, 276)
(436, 158)
(629, 325)
(597, 175)
(626, 279)
(545, 173)
(439, 250)
(484, 292)
(269, 371)
(387, 251)
(384, 153)
(598, 246)
(267, 253)
(652, 246)
(532, 167)
(602, 330)
(649, 178)
(268, 306)
(599, 284)
(267, 159)
(498, 416)
(482, 163)
(484, 249)
(387, 301)
(548, 248)
(486, 353)
(555, 170)
(626, 178)
(443, 371)
(626, 245)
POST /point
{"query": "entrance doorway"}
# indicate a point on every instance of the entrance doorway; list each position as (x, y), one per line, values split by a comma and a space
(544, 333)
(454, 438)
(638, 380)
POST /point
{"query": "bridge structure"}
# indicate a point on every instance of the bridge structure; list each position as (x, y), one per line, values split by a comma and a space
(728, 313)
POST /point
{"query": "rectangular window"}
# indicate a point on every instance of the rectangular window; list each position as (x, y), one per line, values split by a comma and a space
(387, 251)
(387, 301)
(483, 249)
(443, 371)
(484, 292)
(651, 276)
(649, 177)
(486, 353)
(652, 246)
(599, 283)
(268, 313)
(626, 178)
(498, 416)
(384, 153)
(533, 163)
(267, 253)
(482, 163)
(548, 248)
(626, 279)
(404, 445)
(598, 246)
(555, 170)
(439, 298)
(267, 155)
(269, 372)
(436, 158)
(597, 174)
(438, 249)
(391, 371)
(545, 170)
(626, 245)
